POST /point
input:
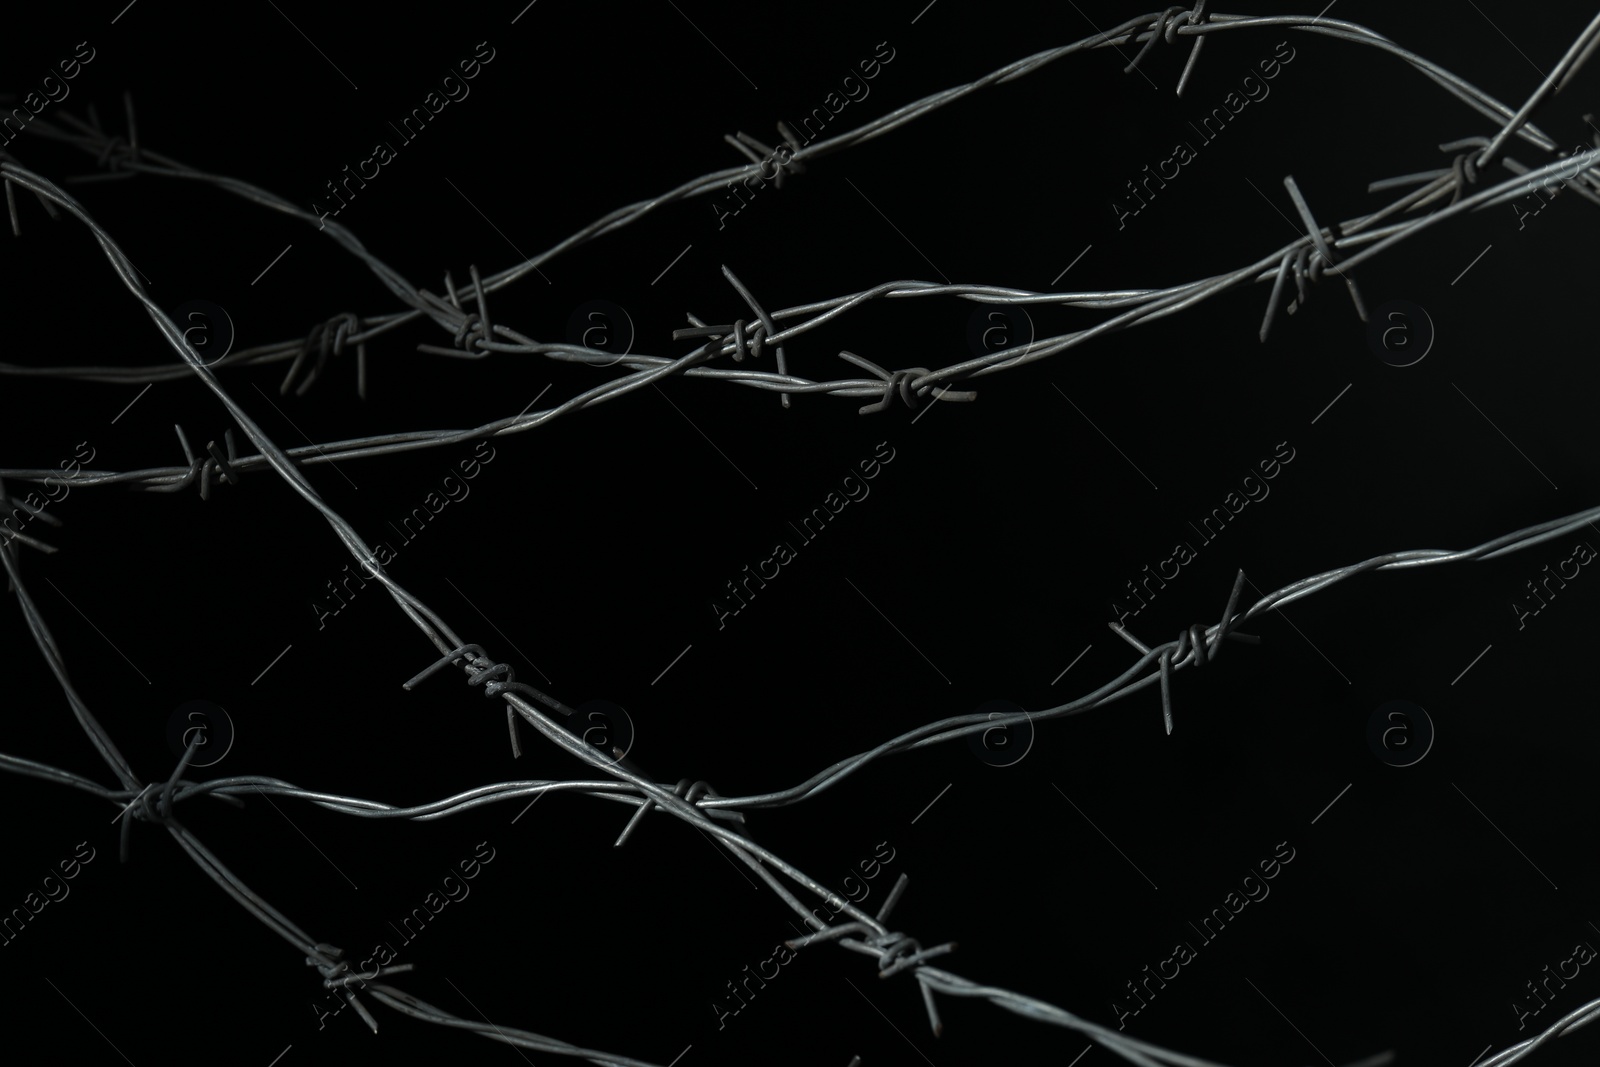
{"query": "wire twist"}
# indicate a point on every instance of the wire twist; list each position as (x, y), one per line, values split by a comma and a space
(769, 157)
(1464, 172)
(337, 975)
(119, 157)
(202, 467)
(329, 338)
(140, 806)
(896, 952)
(1165, 28)
(745, 344)
(1195, 645)
(496, 678)
(474, 331)
(687, 790)
(902, 383)
(1307, 265)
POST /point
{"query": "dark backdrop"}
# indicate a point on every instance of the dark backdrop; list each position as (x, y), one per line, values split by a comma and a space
(982, 561)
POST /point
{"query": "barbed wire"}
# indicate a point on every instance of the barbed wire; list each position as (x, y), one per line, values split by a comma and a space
(125, 158)
(1307, 258)
(693, 802)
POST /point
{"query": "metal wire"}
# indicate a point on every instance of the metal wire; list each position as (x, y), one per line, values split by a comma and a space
(474, 336)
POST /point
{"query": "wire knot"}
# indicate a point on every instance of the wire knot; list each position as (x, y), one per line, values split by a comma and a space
(140, 806)
(745, 342)
(768, 328)
(474, 331)
(747, 345)
(119, 157)
(146, 809)
(329, 338)
(1307, 262)
(330, 963)
(496, 679)
(151, 809)
(1195, 646)
(689, 790)
(116, 153)
(902, 383)
(1465, 171)
(1165, 27)
(772, 164)
(1464, 167)
(695, 789)
(119, 152)
(895, 951)
(698, 789)
(338, 975)
(204, 467)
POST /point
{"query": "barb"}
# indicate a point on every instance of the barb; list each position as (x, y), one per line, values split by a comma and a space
(228, 467)
(329, 338)
(693, 801)
(781, 161)
(1303, 258)
(496, 678)
(1196, 23)
(1193, 646)
(1165, 28)
(903, 383)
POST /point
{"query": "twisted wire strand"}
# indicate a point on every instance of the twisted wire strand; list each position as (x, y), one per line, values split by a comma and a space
(1194, 647)
(1148, 304)
(528, 712)
(1580, 1016)
(91, 139)
(895, 951)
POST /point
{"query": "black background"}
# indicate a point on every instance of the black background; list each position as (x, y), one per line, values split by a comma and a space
(983, 562)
